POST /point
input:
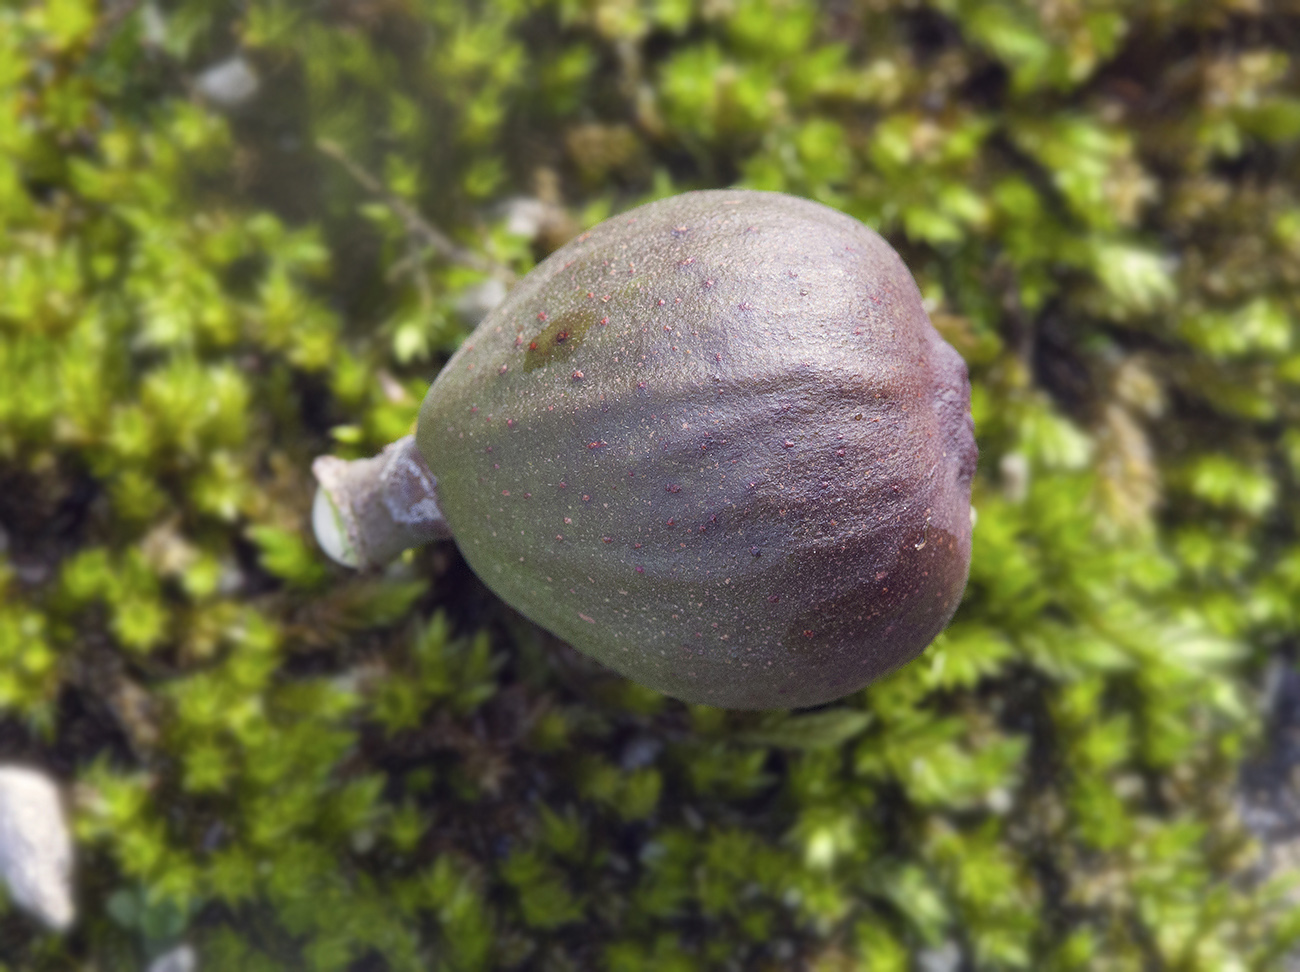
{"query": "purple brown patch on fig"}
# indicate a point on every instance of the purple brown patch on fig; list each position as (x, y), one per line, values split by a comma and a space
(802, 407)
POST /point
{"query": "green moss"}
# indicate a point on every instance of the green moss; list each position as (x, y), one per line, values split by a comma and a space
(291, 767)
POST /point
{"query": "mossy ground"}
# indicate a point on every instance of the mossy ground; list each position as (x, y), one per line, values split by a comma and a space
(293, 767)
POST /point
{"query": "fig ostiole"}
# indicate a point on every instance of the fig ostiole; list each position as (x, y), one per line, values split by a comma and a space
(714, 443)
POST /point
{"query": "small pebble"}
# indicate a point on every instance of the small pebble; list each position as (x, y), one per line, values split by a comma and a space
(179, 959)
(941, 958)
(475, 302)
(35, 847)
(640, 751)
(228, 85)
(524, 216)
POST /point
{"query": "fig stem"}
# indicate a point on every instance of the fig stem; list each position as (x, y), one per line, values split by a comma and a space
(367, 511)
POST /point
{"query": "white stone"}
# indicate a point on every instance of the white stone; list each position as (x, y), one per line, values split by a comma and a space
(941, 958)
(524, 216)
(179, 959)
(35, 847)
(475, 302)
(230, 84)
(154, 25)
(1014, 470)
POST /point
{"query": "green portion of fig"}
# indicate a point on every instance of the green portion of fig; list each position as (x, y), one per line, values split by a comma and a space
(715, 443)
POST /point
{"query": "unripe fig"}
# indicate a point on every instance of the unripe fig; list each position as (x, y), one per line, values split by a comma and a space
(716, 444)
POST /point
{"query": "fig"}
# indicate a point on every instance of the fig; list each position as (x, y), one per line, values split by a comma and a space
(716, 444)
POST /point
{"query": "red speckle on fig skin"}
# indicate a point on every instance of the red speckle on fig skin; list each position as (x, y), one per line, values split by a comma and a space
(836, 470)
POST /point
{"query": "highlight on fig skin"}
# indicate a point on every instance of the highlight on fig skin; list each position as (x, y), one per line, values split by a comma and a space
(714, 443)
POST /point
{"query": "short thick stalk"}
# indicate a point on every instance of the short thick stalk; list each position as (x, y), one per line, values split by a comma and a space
(367, 511)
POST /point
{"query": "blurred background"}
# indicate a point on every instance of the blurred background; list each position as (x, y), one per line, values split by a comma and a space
(235, 236)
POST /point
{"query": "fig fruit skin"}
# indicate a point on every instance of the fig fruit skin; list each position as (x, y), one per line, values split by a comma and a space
(716, 444)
